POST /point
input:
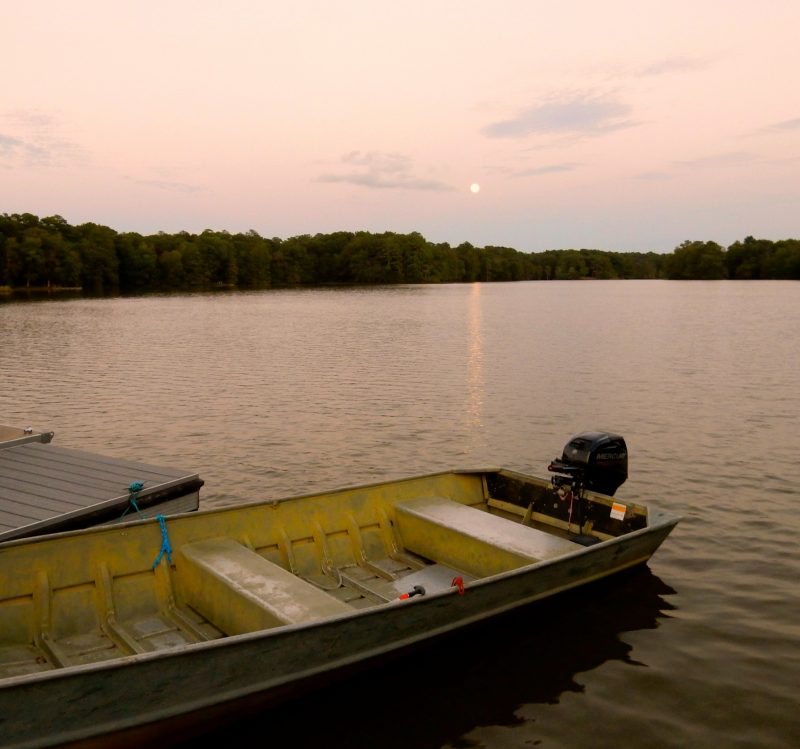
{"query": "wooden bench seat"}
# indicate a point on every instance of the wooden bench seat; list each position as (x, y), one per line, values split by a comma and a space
(239, 591)
(470, 539)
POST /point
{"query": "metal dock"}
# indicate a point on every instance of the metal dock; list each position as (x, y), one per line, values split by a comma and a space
(46, 488)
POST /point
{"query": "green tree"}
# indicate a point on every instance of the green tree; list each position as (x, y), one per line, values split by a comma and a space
(138, 264)
(696, 260)
(329, 251)
(571, 266)
(419, 260)
(32, 257)
(599, 264)
(99, 263)
(470, 260)
(170, 269)
(216, 263)
(748, 259)
(784, 261)
(253, 257)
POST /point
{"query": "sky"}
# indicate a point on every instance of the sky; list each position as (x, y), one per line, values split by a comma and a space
(619, 126)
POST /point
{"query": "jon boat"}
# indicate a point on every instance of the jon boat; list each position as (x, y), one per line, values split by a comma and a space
(142, 631)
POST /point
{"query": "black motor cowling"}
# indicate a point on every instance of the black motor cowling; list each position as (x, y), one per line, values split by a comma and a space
(597, 461)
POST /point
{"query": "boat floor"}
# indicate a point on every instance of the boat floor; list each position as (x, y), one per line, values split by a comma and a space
(359, 586)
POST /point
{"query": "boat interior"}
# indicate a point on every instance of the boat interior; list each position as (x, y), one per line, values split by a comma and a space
(88, 596)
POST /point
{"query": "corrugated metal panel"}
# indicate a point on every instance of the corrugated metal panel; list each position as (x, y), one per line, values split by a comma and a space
(44, 488)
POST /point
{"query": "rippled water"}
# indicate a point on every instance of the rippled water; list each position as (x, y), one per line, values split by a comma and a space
(272, 393)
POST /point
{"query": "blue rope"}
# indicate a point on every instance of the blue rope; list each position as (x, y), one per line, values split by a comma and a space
(133, 490)
(165, 547)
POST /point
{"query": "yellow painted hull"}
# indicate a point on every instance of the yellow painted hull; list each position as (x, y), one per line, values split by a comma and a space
(111, 634)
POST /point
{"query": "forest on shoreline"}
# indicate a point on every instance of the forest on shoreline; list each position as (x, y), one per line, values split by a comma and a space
(49, 253)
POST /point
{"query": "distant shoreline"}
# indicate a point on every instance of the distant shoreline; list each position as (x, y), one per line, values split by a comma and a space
(48, 255)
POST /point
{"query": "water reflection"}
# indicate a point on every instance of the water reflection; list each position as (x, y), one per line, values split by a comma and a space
(479, 677)
(475, 377)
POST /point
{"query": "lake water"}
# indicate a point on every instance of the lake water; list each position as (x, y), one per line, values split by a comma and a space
(266, 394)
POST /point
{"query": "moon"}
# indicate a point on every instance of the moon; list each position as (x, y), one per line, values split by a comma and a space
(474, 187)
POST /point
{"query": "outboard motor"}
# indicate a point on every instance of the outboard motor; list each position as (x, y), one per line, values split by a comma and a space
(597, 461)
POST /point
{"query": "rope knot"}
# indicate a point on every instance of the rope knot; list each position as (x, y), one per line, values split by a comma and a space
(133, 492)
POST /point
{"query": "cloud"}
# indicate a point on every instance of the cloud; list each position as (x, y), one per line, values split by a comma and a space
(17, 151)
(181, 187)
(674, 65)
(654, 176)
(581, 114)
(719, 159)
(788, 161)
(9, 144)
(382, 171)
(786, 126)
(33, 139)
(548, 169)
(32, 119)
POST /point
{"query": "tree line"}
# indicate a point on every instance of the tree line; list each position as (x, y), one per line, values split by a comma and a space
(50, 253)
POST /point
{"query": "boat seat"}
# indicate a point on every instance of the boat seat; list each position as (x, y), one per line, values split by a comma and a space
(239, 591)
(471, 540)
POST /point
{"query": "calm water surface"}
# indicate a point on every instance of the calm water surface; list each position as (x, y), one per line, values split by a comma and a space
(266, 394)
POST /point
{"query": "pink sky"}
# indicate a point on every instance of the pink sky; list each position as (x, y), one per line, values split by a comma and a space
(617, 125)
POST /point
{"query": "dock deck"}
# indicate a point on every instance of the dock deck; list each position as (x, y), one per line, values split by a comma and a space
(46, 488)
